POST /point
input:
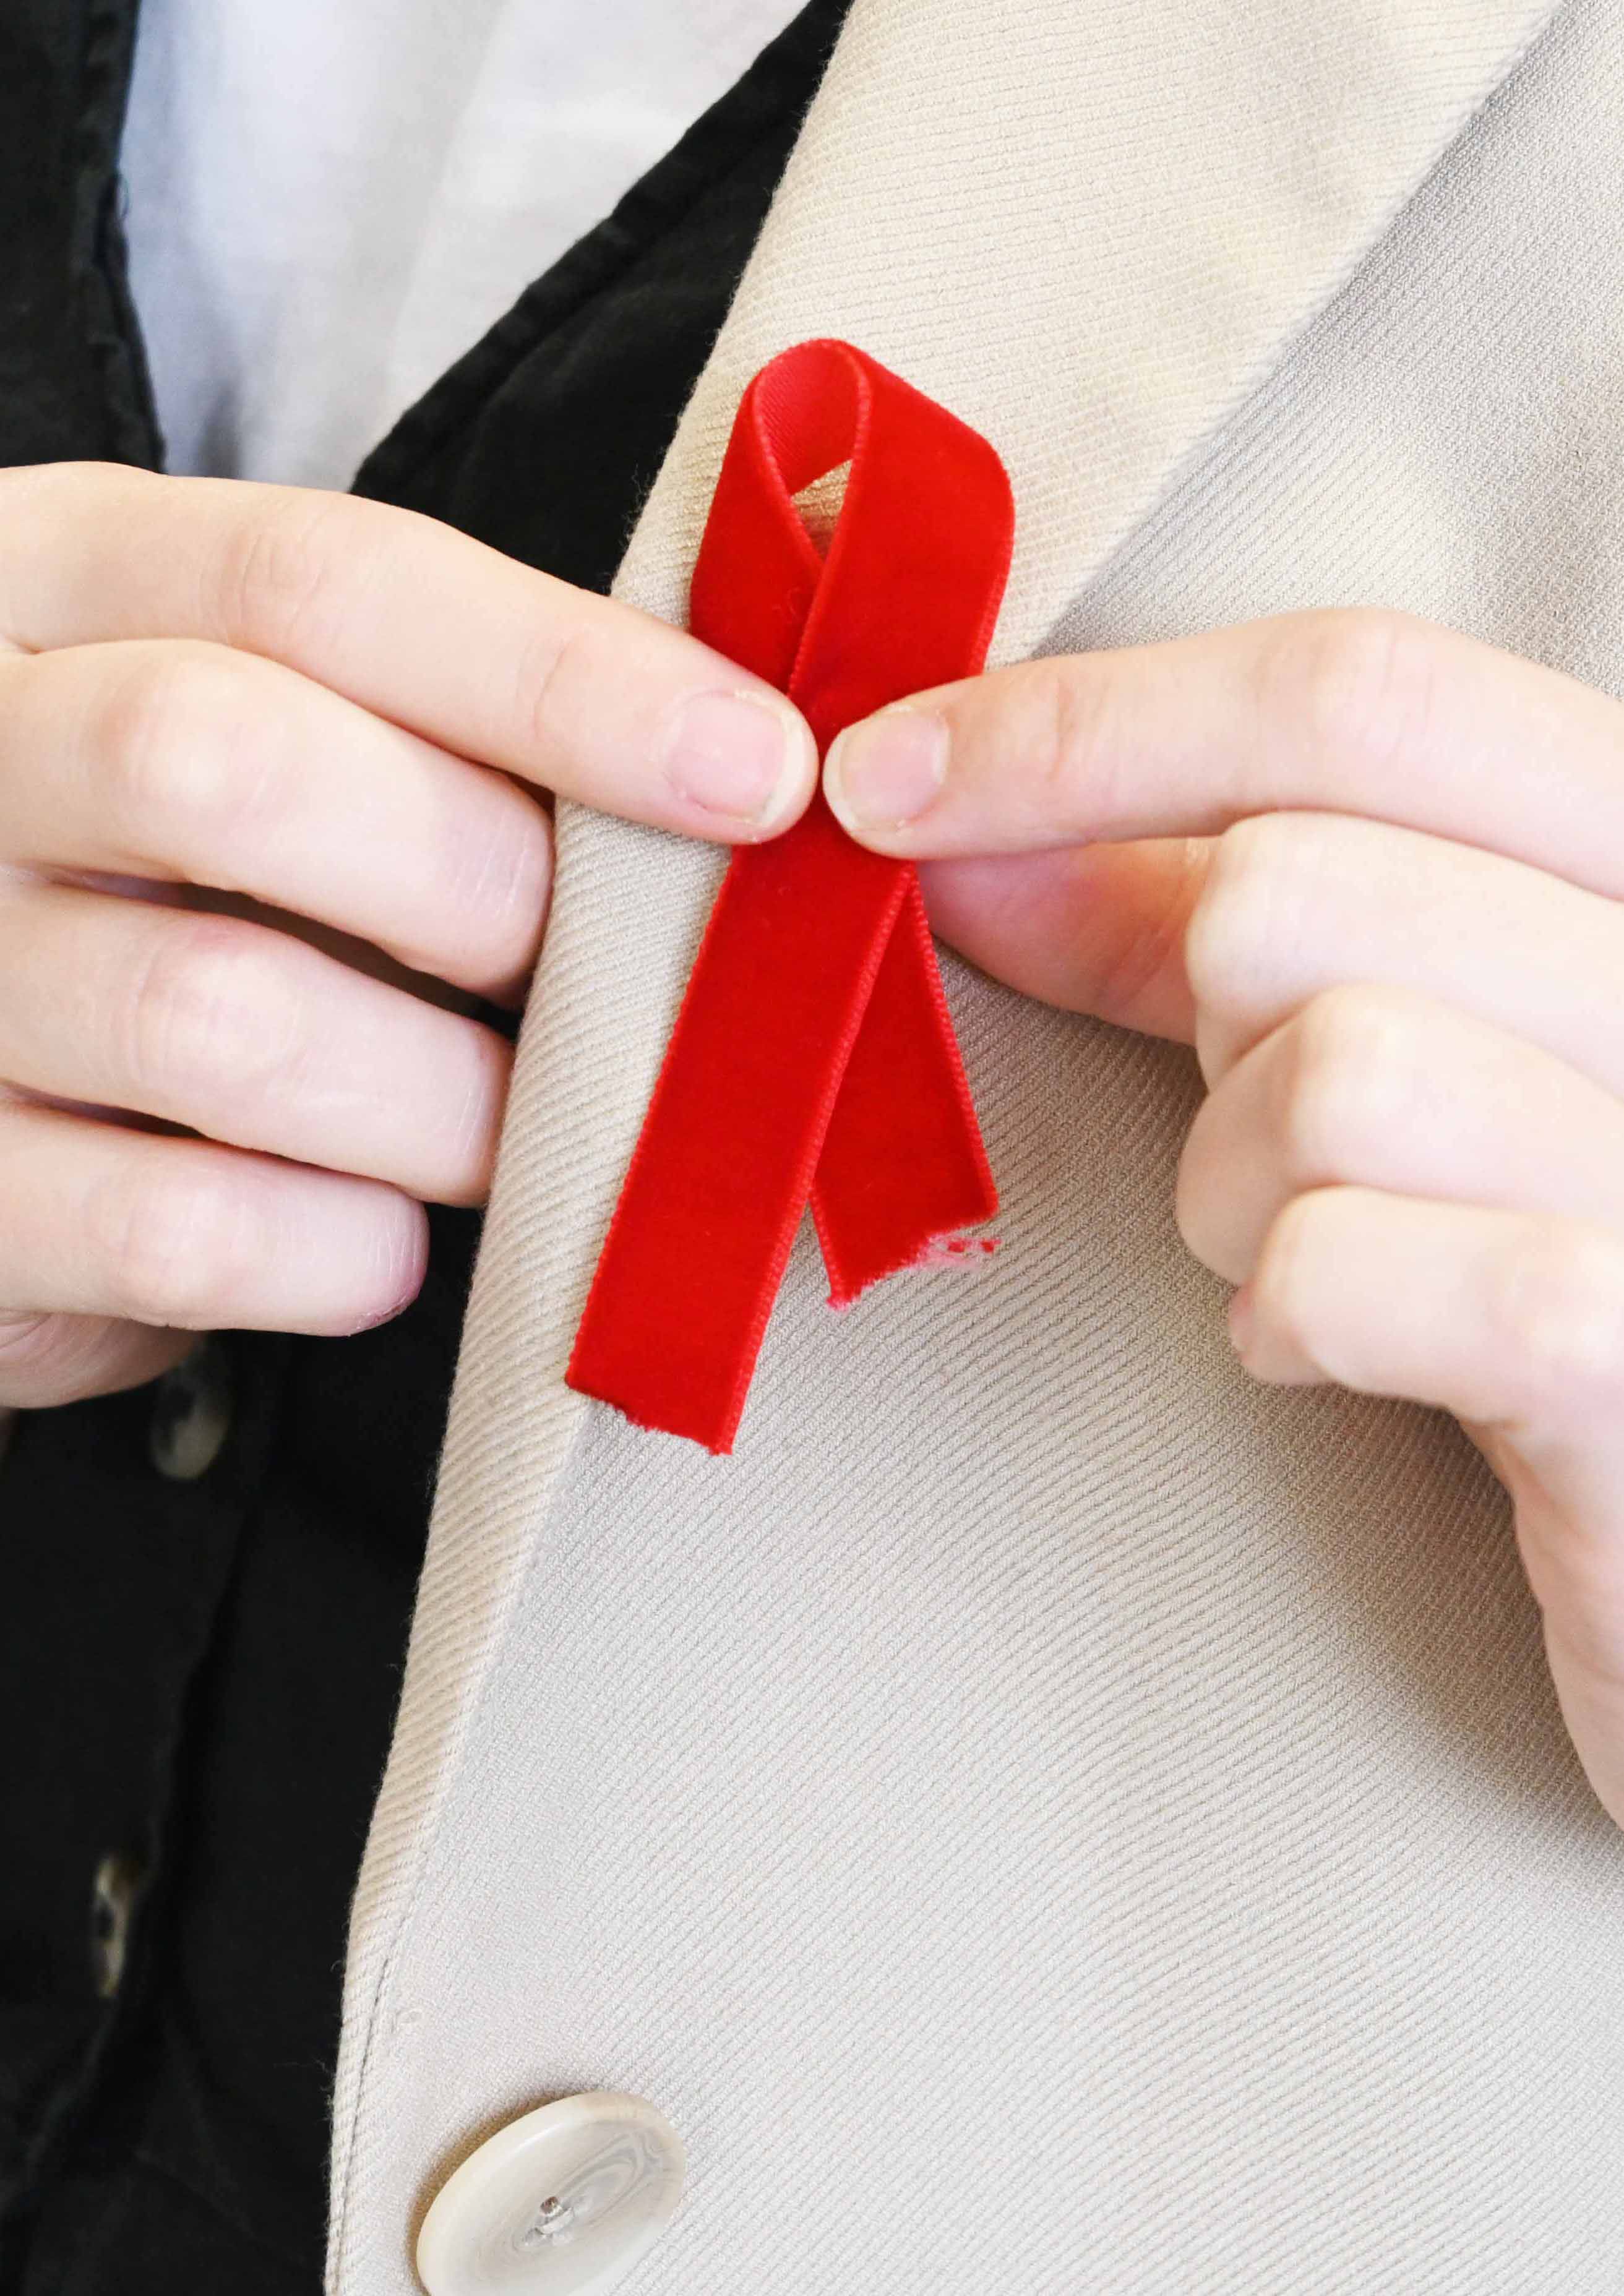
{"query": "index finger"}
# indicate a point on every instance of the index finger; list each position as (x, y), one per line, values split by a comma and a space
(1347, 711)
(416, 622)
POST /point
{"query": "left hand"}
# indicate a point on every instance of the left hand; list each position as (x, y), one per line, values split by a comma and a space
(1375, 871)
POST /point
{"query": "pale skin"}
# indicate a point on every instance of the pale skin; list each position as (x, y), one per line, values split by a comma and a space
(343, 716)
(1371, 869)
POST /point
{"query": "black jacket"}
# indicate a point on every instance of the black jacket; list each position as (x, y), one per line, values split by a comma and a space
(205, 1587)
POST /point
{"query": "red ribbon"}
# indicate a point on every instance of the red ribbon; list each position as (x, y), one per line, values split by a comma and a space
(814, 1057)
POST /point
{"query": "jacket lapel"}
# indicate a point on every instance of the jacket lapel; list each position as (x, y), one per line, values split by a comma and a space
(1086, 228)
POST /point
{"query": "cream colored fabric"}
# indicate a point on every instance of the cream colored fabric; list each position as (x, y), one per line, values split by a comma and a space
(1049, 1815)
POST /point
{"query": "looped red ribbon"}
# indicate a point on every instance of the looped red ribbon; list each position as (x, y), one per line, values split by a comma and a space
(814, 1057)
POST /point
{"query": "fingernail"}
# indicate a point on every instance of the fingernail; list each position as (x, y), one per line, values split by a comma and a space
(1242, 1319)
(885, 772)
(745, 756)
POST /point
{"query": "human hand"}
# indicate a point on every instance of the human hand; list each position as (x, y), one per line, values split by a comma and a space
(1373, 870)
(294, 701)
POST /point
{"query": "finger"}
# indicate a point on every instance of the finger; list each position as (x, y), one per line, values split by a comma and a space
(1381, 1088)
(1375, 714)
(1294, 903)
(45, 1360)
(189, 762)
(1516, 1323)
(1094, 928)
(418, 623)
(1512, 1321)
(102, 1222)
(246, 1035)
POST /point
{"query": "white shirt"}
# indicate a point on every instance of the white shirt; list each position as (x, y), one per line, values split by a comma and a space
(329, 201)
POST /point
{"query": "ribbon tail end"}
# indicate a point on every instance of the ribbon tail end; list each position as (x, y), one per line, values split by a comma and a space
(944, 1248)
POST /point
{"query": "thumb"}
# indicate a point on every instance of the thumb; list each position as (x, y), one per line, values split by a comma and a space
(1096, 929)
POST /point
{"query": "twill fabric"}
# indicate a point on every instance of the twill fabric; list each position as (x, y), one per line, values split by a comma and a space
(1048, 1813)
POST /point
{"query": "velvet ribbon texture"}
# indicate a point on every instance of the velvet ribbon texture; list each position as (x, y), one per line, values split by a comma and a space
(814, 1059)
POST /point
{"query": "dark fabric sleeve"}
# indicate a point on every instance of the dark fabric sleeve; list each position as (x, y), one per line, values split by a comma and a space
(73, 377)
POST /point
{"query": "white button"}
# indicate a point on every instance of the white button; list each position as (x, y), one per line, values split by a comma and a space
(562, 2202)
(191, 1414)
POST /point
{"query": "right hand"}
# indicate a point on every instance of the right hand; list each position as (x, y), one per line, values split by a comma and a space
(286, 722)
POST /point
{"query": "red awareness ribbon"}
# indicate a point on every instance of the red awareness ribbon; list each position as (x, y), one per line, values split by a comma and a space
(814, 1057)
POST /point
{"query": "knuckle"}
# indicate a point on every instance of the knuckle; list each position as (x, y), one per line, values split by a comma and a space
(278, 570)
(210, 1016)
(1283, 1279)
(1556, 1308)
(171, 1243)
(166, 740)
(1239, 917)
(1348, 1084)
(1067, 727)
(551, 674)
(1353, 683)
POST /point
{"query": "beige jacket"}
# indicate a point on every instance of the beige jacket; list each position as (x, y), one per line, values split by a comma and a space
(1049, 1813)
